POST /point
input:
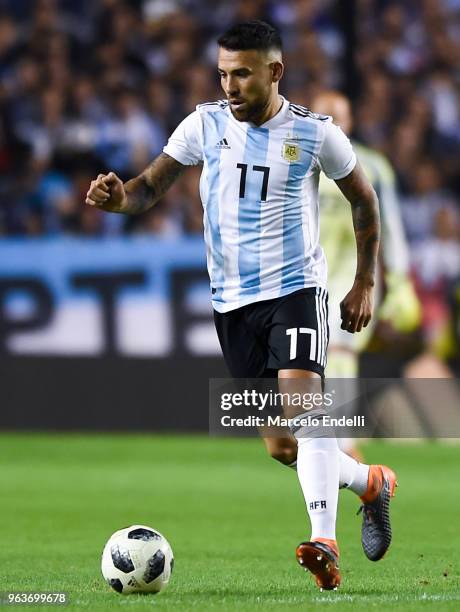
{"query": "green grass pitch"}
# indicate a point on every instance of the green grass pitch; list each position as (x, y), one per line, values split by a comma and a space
(232, 515)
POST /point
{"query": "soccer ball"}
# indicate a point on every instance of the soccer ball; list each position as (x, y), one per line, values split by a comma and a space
(137, 559)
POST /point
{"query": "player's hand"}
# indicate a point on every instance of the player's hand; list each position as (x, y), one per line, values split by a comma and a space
(356, 308)
(107, 193)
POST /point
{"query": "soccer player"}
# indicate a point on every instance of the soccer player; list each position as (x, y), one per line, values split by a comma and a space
(400, 306)
(261, 158)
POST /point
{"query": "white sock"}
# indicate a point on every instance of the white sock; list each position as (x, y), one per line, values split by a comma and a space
(346, 444)
(318, 473)
(353, 475)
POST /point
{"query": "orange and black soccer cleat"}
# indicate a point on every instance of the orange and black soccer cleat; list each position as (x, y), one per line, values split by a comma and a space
(376, 527)
(321, 558)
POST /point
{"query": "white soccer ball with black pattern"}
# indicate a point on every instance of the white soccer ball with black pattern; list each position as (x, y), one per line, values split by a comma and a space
(137, 559)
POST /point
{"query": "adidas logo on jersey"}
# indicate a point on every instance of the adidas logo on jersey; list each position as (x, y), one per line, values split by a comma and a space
(223, 144)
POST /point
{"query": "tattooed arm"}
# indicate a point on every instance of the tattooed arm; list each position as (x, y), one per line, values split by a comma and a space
(356, 308)
(109, 193)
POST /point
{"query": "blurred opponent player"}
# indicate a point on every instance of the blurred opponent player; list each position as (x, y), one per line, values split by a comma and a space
(400, 306)
(261, 158)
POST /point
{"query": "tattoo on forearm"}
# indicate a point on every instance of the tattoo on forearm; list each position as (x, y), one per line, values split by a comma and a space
(146, 189)
(366, 223)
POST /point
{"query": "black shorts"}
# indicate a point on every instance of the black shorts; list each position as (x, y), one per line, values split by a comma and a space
(285, 333)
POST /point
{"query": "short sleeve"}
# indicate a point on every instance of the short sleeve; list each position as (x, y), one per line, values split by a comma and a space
(336, 156)
(185, 144)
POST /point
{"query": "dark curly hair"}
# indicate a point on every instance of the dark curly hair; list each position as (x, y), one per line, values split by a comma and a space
(251, 35)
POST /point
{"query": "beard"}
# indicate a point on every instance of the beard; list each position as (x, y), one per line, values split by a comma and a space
(250, 113)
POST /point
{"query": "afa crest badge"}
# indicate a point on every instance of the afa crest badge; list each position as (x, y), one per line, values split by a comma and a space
(291, 151)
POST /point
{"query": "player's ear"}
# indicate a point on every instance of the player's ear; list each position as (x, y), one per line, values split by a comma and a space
(277, 69)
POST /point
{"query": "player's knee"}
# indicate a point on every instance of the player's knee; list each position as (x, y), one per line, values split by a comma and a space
(284, 454)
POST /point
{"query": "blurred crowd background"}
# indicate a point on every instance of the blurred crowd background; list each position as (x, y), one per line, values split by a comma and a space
(88, 86)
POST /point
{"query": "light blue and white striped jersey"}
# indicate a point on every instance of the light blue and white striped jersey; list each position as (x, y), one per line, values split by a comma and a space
(259, 188)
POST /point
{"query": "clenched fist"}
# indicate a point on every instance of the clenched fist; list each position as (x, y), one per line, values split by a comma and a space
(356, 307)
(107, 193)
